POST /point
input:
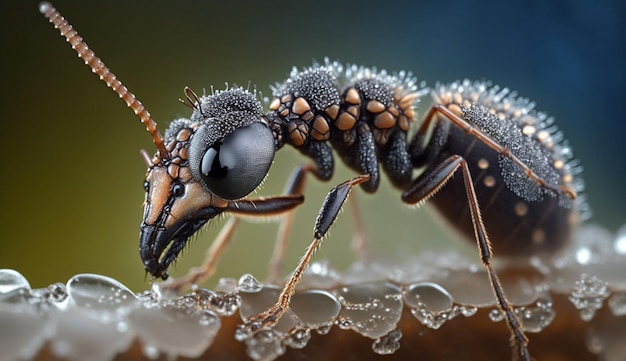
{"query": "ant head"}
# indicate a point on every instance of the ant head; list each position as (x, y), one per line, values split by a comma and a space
(218, 156)
(203, 165)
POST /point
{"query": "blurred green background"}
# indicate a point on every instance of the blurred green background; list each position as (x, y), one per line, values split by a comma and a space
(72, 176)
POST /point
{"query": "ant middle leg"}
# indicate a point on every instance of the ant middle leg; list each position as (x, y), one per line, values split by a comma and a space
(429, 183)
(360, 241)
(296, 185)
(326, 217)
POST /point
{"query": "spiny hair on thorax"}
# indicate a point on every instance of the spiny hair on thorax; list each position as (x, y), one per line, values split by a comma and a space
(321, 84)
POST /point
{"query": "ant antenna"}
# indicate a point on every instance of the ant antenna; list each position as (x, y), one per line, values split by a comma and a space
(98, 67)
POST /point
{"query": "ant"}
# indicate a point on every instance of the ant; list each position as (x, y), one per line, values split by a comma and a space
(516, 181)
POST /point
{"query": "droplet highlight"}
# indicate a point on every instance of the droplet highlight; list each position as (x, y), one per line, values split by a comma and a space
(588, 296)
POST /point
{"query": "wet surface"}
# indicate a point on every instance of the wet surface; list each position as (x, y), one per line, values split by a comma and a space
(578, 300)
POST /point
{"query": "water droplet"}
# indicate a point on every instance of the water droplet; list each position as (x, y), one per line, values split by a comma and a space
(496, 315)
(344, 323)
(388, 344)
(23, 330)
(372, 309)
(150, 351)
(264, 345)
(224, 304)
(588, 296)
(163, 292)
(175, 331)
(57, 292)
(468, 311)
(430, 303)
(428, 294)
(19, 296)
(430, 319)
(148, 299)
(247, 283)
(315, 307)
(324, 329)
(242, 334)
(208, 319)
(11, 280)
(617, 304)
(87, 334)
(101, 293)
(536, 317)
(253, 304)
(180, 302)
(298, 338)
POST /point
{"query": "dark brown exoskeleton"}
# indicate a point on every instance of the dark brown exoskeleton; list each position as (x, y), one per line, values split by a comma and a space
(516, 189)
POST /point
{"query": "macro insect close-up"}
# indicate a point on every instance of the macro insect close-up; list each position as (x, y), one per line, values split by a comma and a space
(492, 165)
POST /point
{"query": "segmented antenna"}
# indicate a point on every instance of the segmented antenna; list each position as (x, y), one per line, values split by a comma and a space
(98, 67)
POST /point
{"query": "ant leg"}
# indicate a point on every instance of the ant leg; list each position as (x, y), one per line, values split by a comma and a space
(295, 185)
(360, 242)
(198, 275)
(424, 187)
(325, 218)
(456, 120)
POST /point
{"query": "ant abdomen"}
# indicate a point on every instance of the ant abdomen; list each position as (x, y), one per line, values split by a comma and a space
(524, 215)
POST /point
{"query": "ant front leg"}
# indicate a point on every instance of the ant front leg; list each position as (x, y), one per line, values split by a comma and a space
(325, 218)
(429, 183)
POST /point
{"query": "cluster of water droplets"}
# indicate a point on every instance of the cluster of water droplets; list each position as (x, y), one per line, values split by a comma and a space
(93, 317)
(592, 270)
(533, 317)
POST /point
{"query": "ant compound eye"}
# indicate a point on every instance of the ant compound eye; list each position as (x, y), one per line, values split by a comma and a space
(235, 165)
(146, 186)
